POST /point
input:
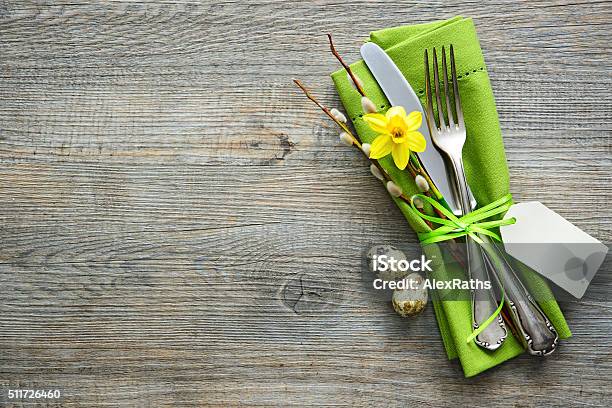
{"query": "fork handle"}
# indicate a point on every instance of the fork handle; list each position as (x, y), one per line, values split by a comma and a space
(484, 303)
(536, 332)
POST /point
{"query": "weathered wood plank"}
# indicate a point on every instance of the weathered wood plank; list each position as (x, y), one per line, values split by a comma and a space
(179, 227)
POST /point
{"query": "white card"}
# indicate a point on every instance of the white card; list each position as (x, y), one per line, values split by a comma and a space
(553, 246)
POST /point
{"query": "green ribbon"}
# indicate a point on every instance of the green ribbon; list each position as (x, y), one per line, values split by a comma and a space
(488, 321)
(454, 227)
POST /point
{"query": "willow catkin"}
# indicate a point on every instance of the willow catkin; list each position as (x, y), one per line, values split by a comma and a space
(346, 139)
(348, 77)
(393, 189)
(338, 115)
(367, 105)
(376, 172)
(366, 149)
(421, 183)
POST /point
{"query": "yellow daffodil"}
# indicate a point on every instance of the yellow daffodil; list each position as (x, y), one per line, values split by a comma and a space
(399, 134)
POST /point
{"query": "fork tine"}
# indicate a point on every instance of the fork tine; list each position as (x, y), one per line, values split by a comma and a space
(449, 110)
(437, 88)
(431, 122)
(460, 121)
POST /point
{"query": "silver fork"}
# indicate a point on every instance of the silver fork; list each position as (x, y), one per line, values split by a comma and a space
(450, 139)
(537, 334)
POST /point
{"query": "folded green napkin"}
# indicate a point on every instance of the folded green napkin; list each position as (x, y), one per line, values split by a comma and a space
(485, 165)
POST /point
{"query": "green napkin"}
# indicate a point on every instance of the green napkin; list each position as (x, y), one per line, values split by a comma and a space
(485, 165)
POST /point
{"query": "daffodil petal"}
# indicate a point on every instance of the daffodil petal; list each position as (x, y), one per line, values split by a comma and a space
(413, 120)
(400, 155)
(376, 121)
(395, 110)
(416, 141)
(381, 146)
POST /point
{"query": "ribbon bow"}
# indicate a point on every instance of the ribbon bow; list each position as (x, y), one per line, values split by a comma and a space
(469, 224)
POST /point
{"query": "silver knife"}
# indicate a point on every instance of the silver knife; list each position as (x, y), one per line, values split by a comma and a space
(399, 93)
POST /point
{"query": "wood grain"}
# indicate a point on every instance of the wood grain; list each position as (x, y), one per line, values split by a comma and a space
(180, 227)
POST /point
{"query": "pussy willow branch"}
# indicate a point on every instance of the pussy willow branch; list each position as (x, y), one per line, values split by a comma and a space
(327, 111)
(345, 128)
(357, 144)
(345, 65)
(414, 164)
(453, 246)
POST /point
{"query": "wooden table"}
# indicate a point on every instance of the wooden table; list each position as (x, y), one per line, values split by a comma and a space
(180, 227)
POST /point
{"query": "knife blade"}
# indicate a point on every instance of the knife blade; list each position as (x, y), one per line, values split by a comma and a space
(399, 93)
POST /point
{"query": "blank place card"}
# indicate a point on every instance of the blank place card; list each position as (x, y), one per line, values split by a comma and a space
(553, 246)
